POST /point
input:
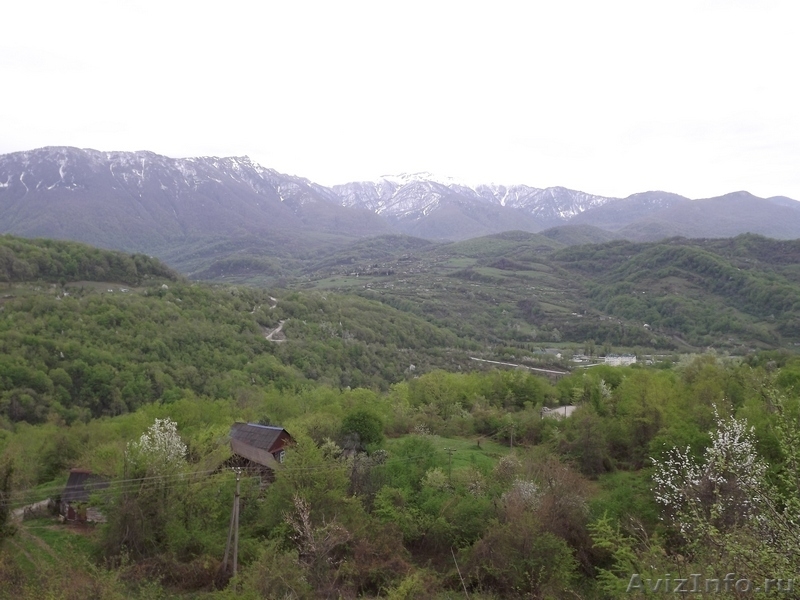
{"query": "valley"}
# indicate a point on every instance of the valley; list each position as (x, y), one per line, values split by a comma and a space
(458, 415)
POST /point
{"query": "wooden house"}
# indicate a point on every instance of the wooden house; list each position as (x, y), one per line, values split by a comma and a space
(259, 447)
(74, 502)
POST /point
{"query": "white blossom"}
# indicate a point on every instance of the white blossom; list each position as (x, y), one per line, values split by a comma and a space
(422, 430)
(722, 488)
(159, 448)
(436, 479)
(523, 491)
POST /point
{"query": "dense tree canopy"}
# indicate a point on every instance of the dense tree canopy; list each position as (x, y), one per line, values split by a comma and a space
(572, 502)
(401, 482)
(52, 261)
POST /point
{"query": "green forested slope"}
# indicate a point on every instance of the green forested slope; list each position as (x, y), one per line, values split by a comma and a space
(703, 291)
(523, 291)
(48, 260)
(402, 482)
(580, 502)
(79, 350)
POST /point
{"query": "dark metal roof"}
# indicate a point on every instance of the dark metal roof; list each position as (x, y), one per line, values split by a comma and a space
(263, 437)
(81, 484)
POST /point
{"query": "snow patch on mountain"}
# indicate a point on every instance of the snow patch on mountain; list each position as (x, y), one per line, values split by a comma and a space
(417, 195)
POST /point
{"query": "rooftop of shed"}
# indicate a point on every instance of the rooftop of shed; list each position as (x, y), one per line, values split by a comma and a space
(81, 484)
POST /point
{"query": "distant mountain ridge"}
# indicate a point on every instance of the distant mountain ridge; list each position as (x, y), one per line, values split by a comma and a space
(133, 200)
(192, 212)
(407, 198)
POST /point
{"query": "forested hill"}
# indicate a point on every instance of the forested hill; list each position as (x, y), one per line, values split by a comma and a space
(83, 351)
(24, 259)
(521, 290)
(747, 285)
(406, 478)
(111, 331)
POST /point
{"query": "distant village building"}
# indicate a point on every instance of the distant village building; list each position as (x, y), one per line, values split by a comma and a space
(620, 360)
(559, 412)
(74, 503)
(258, 447)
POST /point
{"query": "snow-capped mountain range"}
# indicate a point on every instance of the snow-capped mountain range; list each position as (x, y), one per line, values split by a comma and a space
(143, 201)
(417, 195)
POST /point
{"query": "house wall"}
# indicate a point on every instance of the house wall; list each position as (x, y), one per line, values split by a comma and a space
(283, 440)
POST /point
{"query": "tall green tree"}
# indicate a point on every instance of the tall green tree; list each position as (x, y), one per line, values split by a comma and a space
(362, 429)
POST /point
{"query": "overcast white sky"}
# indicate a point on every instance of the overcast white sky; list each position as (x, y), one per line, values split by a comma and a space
(611, 97)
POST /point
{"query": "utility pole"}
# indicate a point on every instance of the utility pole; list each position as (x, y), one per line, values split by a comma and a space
(449, 464)
(512, 436)
(233, 530)
(236, 525)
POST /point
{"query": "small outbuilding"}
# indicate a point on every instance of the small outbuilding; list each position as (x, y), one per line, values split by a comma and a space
(74, 502)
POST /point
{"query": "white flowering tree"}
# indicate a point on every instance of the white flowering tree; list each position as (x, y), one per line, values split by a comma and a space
(435, 479)
(725, 511)
(146, 501)
(725, 507)
(523, 493)
(723, 490)
(159, 450)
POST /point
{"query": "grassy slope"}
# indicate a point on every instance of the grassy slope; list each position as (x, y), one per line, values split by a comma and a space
(466, 452)
(44, 541)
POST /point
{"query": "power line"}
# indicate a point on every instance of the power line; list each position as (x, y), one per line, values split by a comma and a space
(112, 483)
(24, 497)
